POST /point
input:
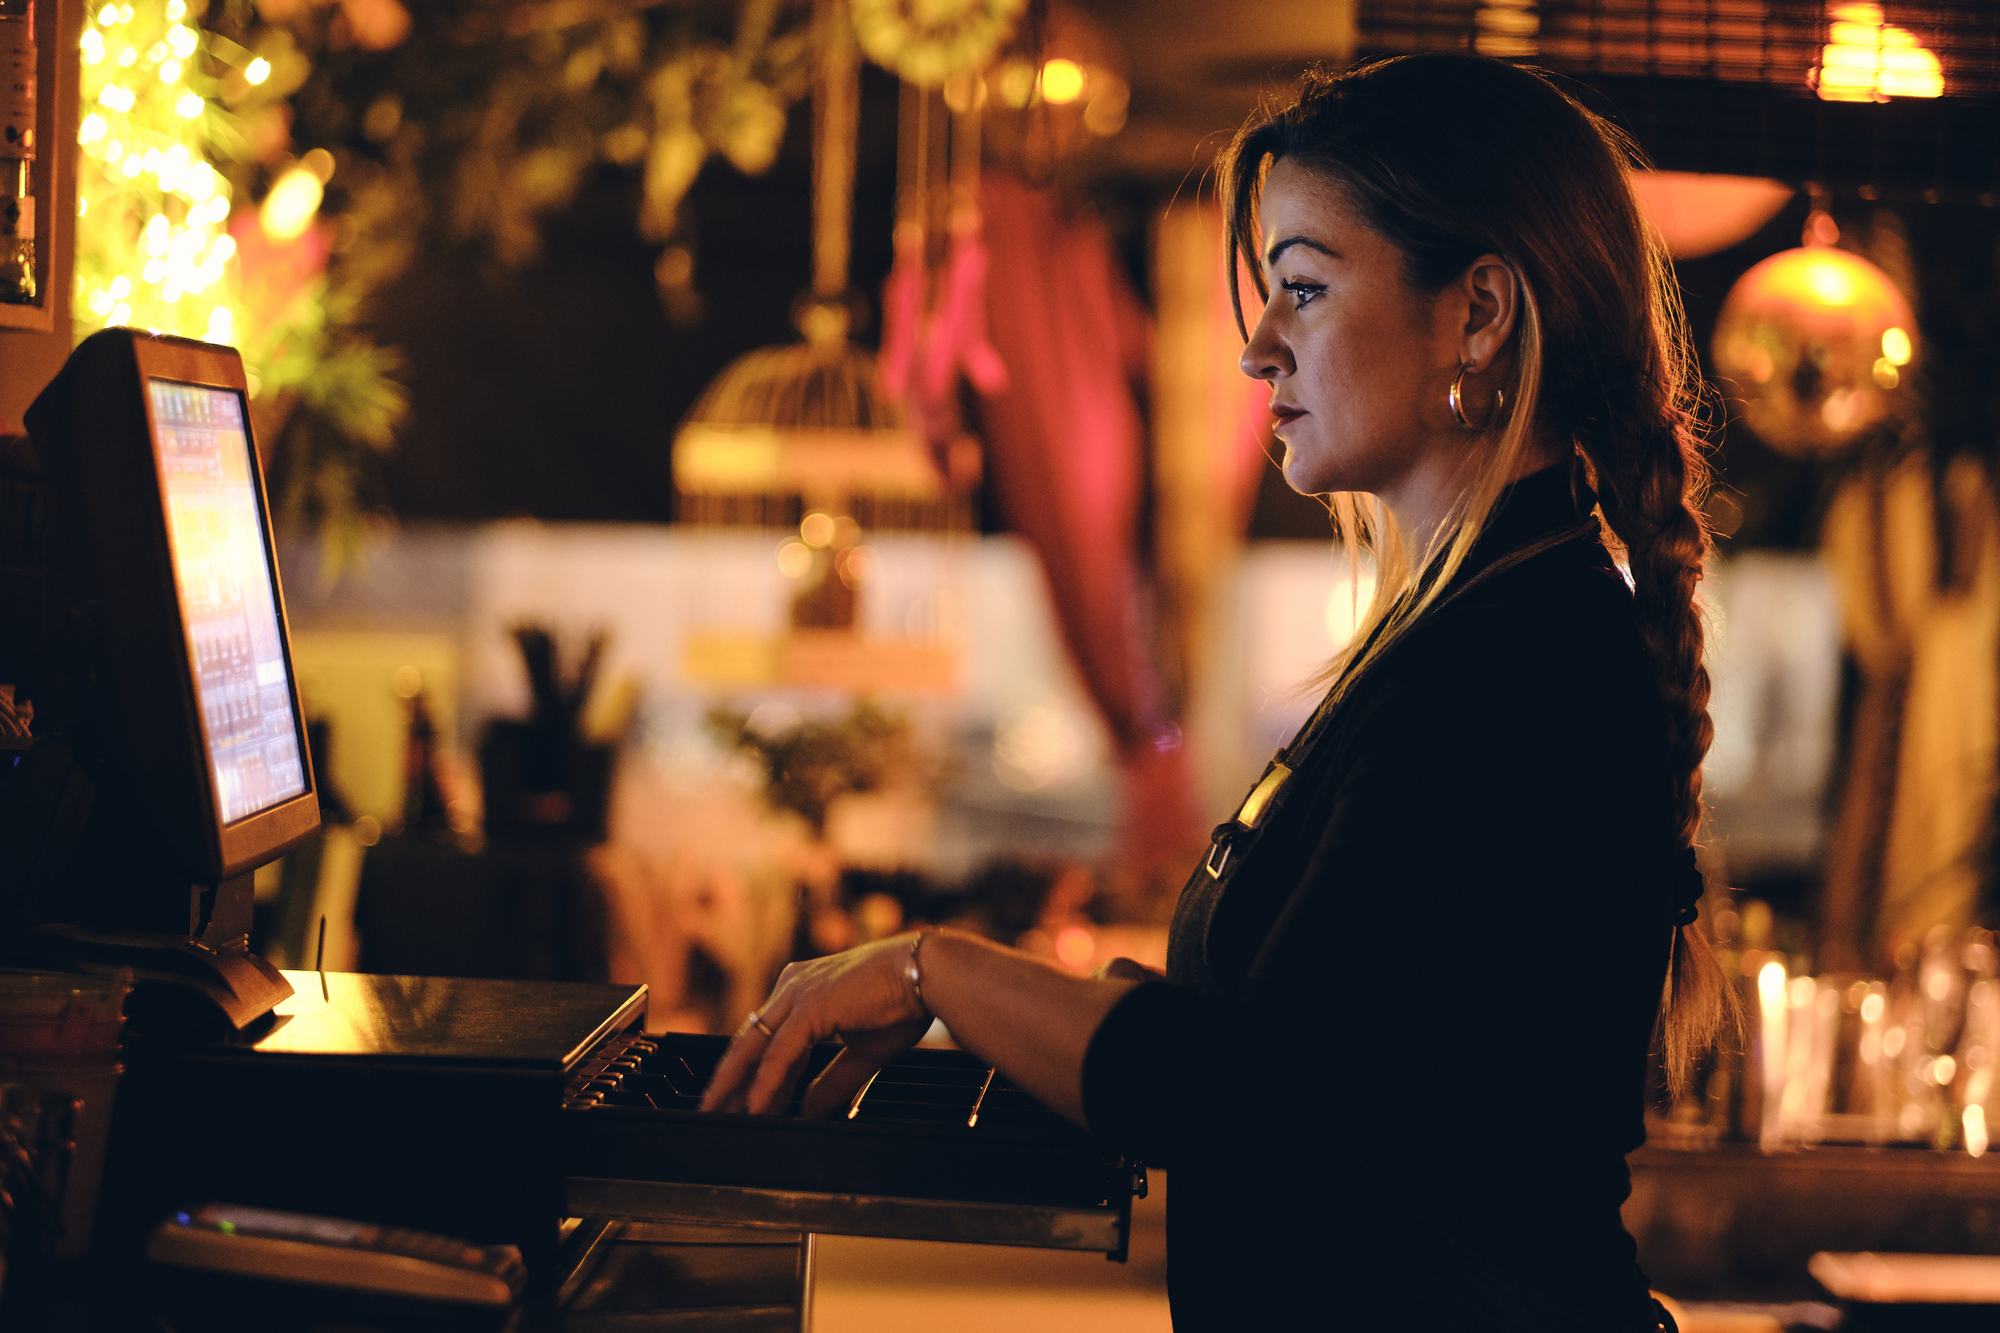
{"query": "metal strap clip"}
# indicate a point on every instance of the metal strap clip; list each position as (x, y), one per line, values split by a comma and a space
(1251, 815)
(1220, 845)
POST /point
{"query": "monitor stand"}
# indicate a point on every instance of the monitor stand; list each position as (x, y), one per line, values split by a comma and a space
(182, 984)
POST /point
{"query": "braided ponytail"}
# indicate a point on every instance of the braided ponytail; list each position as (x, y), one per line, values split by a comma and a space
(1603, 361)
(1649, 482)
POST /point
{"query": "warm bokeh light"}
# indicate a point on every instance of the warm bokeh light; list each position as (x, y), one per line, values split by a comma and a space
(794, 559)
(1075, 947)
(1110, 101)
(856, 565)
(1771, 984)
(257, 70)
(1868, 60)
(1896, 347)
(1017, 83)
(290, 206)
(1975, 1130)
(816, 529)
(1872, 1008)
(1062, 81)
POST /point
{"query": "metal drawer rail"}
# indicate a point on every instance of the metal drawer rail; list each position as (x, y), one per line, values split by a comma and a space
(1103, 1230)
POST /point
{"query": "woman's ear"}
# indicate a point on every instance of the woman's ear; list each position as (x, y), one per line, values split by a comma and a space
(1489, 294)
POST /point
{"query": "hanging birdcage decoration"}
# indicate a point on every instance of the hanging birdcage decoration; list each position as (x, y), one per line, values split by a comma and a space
(803, 437)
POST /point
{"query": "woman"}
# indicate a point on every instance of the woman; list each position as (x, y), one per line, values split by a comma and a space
(1400, 1050)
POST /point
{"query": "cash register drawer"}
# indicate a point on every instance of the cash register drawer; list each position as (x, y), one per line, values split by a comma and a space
(938, 1147)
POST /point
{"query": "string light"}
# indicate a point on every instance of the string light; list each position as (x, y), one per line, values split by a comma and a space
(151, 252)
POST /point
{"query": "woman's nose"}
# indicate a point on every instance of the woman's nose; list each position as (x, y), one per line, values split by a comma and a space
(1265, 356)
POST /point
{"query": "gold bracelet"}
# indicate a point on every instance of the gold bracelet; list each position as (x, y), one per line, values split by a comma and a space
(915, 975)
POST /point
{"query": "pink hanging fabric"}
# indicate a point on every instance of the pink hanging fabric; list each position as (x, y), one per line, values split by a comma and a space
(902, 312)
(922, 353)
(1065, 457)
(957, 338)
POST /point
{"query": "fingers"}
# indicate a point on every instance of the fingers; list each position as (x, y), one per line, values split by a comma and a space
(763, 1063)
(834, 1089)
(730, 1072)
(728, 1086)
(785, 1057)
(1126, 969)
(862, 1056)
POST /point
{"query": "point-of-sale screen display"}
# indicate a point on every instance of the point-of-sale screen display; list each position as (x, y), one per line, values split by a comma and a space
(222, 568)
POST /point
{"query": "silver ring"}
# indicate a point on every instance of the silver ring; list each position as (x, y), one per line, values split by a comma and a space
(757, 1021)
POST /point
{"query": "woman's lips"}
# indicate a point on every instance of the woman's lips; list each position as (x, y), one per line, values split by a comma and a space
(1286, 414)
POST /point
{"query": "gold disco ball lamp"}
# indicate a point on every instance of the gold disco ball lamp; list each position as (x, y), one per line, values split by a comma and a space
(1816, 345)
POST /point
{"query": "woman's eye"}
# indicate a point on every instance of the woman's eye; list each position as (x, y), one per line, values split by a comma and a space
(1303, 293)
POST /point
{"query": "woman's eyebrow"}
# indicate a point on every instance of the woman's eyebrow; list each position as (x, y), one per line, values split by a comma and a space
(1290, 241)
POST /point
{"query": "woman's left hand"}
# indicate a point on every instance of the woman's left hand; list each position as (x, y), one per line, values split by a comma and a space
(863, 997)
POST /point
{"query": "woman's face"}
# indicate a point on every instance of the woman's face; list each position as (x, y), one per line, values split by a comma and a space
(1358, 361)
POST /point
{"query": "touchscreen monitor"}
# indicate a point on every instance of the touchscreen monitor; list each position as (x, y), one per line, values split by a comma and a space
(222, 565)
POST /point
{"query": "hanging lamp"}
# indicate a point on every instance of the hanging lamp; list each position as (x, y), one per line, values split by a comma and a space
(1818, 345)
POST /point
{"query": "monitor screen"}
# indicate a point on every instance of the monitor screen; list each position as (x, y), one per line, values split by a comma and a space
(222, 573)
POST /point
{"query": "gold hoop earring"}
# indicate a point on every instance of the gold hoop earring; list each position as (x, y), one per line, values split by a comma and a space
(1458, 403)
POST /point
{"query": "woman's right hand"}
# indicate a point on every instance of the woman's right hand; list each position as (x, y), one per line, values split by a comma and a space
(862, 996)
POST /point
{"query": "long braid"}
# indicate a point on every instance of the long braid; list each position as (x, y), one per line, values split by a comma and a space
(1651, 477)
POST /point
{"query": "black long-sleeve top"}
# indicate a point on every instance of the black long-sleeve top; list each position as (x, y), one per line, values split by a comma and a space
(1400, 1053)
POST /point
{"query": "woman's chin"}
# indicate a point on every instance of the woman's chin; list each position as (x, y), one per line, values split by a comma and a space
(1302, 479)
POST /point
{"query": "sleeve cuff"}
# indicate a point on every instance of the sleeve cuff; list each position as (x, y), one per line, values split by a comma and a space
(1130, 1093)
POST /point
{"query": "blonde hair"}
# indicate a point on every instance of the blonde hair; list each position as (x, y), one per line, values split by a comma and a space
(1602, 360)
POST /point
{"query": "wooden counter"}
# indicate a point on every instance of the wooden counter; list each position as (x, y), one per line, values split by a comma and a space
(1730, 1222)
